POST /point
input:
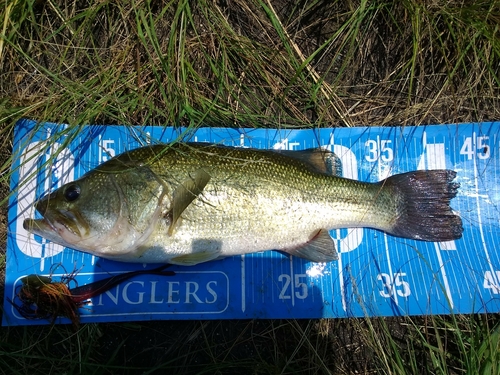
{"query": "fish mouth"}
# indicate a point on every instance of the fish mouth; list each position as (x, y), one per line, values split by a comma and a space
(38, 226)
(60, 227)
(44, 226)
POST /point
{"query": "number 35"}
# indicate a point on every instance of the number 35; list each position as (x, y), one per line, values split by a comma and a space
(394, 284)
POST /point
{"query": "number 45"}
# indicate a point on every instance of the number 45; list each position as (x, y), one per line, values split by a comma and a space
(475, 146)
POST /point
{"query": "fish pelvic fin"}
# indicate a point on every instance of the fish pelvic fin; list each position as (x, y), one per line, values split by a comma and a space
(320, 248)
(425, 213)
(195, 258)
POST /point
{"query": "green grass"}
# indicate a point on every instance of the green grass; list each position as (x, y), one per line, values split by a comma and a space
(252, 63)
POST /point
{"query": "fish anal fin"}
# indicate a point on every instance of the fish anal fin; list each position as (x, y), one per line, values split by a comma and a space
(320, 248)
(187, 191)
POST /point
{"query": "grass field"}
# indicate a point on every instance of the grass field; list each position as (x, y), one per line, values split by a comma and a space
(307, 63)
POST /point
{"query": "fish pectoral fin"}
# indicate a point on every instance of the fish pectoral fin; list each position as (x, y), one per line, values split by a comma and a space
(186, 193)
(195, 258)
(320, 248)
(319, 159)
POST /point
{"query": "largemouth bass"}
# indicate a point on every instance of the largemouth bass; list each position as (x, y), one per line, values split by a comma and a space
(187, 203)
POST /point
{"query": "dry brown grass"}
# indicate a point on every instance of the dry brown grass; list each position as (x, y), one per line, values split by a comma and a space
(260, 63)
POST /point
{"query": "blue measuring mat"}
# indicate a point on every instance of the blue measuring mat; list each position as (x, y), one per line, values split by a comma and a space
(376, 274)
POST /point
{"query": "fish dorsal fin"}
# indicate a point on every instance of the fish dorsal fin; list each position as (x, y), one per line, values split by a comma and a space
(195, 258)
(320, 248)
(185, 193)
(321, 160)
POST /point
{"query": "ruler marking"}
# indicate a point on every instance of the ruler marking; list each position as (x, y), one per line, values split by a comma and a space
(479, 216)
(436, 159)
(292, 283)
(382, 174)
(243, 285)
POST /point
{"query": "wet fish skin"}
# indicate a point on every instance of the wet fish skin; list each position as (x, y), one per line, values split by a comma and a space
(187, 203)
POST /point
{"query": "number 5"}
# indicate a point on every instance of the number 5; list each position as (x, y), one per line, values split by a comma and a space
(399, 282)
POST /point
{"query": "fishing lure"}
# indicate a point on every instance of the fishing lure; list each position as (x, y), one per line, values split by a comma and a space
(42, 298)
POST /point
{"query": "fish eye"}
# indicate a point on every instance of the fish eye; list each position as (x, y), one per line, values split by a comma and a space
(72, 193)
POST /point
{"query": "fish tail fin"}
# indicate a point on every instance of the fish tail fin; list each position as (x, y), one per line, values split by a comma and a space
(424, 212)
